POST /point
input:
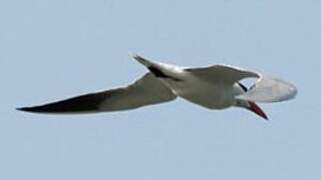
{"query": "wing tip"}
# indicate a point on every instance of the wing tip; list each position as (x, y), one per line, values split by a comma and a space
(23, 108)
(34, 109)
(20, 109)
(135, 56)
(142, 60)
(138, 58)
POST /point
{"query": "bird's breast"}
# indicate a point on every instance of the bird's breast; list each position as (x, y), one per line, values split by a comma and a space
(213, 96)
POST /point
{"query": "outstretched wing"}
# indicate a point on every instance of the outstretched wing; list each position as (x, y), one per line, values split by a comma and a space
(266, 89)
(222, 73)
(146, 91)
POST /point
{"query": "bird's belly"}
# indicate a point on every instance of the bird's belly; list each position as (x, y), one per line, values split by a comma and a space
(207, 95)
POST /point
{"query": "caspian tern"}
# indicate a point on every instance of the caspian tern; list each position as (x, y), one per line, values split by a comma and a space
(213, 87)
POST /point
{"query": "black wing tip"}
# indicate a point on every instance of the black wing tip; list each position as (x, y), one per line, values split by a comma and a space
(29, 109)
(136, 56)
(80, 104)
(48, 108)
(22, 109)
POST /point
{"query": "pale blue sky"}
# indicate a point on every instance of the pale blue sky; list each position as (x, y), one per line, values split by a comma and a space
(52, 49)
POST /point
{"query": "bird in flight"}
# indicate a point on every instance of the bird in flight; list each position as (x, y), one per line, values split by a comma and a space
(214, 87)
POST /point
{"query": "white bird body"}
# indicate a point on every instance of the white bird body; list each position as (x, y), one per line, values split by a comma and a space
(213, 87)
(201, 92)
(198, 90)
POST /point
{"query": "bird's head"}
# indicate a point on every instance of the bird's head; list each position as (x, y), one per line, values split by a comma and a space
(249, 105)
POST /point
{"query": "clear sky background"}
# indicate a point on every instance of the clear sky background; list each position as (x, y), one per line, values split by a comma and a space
(53, 49)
